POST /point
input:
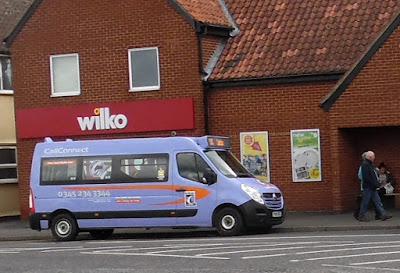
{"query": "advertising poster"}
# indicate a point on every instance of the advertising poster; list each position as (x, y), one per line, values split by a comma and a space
(306, 155)
(254, 153)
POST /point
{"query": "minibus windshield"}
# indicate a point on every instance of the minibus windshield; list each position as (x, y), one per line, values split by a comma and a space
(227, 164)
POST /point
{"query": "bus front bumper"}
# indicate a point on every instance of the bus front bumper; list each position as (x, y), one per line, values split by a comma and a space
(257, 215)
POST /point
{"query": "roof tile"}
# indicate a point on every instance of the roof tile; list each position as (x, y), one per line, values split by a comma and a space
(206, 11)
(300, 37)
(11, 12)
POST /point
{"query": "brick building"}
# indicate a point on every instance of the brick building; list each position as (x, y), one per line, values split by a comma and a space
(10, 13)
(216, 67)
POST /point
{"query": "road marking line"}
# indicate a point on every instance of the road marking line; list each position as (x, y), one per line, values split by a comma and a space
(352, 244)
(251, 250)
(239, 246)
(377, 269)
(157, 255)
(264, 256)
(348, 256)
(83, 248)
(346, 249)
(377, 262)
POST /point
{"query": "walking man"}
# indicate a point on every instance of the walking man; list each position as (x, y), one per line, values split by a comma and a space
(370, 183)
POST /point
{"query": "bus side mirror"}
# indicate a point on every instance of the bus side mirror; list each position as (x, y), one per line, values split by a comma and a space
(209, 177)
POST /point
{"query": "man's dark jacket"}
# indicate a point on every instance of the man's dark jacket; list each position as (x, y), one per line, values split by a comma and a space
(369, 175)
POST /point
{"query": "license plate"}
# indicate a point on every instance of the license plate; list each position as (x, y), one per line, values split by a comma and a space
(277, 214)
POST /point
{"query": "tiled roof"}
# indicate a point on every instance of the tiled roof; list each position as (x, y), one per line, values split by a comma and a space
(11, 12)
(205, 11)
(295, 37)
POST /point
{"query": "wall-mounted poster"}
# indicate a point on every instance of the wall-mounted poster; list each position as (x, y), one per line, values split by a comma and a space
(254, 153)
(306, 155)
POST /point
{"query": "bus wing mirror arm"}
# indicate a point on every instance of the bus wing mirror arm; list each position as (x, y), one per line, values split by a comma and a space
(209, 176)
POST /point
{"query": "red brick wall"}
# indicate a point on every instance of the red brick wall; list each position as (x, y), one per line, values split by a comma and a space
(279, 109)
(370, 101)
(209, 45)
(372, 98)
(102, 31)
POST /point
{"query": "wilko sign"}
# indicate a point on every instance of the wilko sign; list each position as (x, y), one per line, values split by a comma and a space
(90, 119)
(102, 120)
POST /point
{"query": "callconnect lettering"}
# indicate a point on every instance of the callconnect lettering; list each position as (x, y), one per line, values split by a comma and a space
(102, 120)
(66, 151)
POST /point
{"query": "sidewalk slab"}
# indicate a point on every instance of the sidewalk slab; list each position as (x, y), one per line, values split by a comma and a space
(13, 229)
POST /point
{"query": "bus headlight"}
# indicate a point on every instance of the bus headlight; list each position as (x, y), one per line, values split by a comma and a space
(253, 193)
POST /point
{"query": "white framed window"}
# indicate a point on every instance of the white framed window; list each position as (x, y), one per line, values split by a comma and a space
(144, 71)
(5, 75)
(8, 164)
(64, 72)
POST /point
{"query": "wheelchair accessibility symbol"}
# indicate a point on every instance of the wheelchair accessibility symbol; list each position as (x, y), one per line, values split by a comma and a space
(190, 199)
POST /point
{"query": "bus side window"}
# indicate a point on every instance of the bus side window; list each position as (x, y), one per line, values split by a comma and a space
(192, 166)
(58, 171)
(145, 168)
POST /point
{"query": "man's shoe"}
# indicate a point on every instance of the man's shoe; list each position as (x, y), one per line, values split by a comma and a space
(377, 217)
(384, 218)
(363, 219)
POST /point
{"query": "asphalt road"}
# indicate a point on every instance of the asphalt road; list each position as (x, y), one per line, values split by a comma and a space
(362, 251)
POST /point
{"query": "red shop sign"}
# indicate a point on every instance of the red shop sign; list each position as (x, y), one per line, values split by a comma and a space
(103, 118)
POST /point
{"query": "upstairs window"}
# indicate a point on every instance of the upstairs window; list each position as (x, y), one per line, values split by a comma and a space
(64, 71)
(144, 72)
(8, 164)
(5, 75)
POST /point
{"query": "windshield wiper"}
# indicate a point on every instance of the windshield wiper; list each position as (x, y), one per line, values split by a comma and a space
(243, 175)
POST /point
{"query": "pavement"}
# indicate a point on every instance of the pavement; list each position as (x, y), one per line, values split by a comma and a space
(14, 229)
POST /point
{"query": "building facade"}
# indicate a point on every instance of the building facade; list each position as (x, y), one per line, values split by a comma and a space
(311, 77)
(10, 13)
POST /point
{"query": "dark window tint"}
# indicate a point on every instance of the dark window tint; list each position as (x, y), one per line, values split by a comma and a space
(7, 155)
(145, 168)
(192, 166)
(55, 171)
(8, 173)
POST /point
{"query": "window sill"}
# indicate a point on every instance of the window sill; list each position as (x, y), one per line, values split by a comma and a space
(140, 89)
(65, 94)
(9, 181)
(6, 92)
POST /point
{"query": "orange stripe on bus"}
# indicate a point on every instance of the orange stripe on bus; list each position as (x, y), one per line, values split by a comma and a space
(200, 193)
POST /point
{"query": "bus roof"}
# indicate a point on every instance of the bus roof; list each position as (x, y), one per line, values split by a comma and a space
(50, 148)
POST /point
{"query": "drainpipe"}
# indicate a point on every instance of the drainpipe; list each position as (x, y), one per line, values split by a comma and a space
(201, 31)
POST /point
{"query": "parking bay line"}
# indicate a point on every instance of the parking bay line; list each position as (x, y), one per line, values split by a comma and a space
(377, 262)
(346, 249)
(376, 269)
(156, 255)
(349, 244)
(238, 246)
(346, 256)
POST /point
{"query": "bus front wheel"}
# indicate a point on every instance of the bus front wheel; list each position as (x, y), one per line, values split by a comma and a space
(228, 222)
(64, 227)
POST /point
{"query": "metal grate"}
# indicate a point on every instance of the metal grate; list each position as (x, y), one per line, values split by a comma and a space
(273, 200)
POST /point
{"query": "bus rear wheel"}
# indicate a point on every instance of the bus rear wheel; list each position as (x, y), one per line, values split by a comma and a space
(101, 234)
(228, 222)
(64, 227)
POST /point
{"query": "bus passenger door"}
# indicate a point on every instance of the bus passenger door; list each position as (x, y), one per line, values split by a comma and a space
(196, 197)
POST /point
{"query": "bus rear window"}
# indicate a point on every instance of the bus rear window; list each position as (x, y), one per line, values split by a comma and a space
(55, 171)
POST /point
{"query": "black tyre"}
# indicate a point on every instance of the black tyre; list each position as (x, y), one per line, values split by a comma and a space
(228, 222)
(101, 234)
(64, 227)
